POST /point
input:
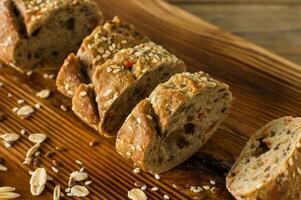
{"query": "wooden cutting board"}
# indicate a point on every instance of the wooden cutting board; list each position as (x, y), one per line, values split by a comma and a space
(265, 86)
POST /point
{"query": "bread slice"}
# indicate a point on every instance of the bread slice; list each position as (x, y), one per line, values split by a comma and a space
(84, 105)
(35, 32)
(172, 124)
(269, 167)
(70, 76)
(98, 47)
(130, 76)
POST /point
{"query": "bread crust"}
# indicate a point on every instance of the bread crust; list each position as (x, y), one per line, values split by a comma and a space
(124, 78)
(9, 38)
(131, 145)
(149, 134)
(97, 48)
(29, 28)
(282, 183)
(84, 106)
(70, 76)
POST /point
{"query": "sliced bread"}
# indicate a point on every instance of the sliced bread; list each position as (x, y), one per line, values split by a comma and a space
(98, 47)
(130, 76)
(38, 32)
(171, 125)
(269, 167)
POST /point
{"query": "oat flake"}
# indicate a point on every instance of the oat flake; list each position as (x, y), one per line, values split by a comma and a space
(10, 137)
(78, 176)
(43, 94)
(25, 111)
(38, 181)
(79, 191)
(137, 194)
(37, 137)
(57, 193)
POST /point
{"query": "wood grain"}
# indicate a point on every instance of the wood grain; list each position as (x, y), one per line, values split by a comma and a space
(269, 2)
(265, 86)
(275, 25)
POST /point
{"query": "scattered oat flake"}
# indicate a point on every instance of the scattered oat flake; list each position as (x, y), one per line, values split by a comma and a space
(63, 108)
(43, 94)
(22, 132)
(15, 109)
(38, 181)
(29, 73)
(20, 101)
(9, 195)
(71, 182)
(56, 163)
(166, 196)
(37, 153)
(154, 189)
(32, 150)
(7, 144)
(79, 176)
(206, 187)
(10, 137)
(137, 194)
(138, 184)
(56, 170)
(143, 187)
(79, 191)
(37, 106)
(88, 182)
(68, 190)
(60, 148)
(136, 170)
(93, 143)
(57, 192)
(6, 189)
(25, 111)
(37, 137)
(157, 176)
(78, 162)
(212, 182)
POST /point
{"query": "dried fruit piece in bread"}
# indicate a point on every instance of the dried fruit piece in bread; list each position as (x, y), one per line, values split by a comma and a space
(269, 167)
(172, 124)
(130, 76)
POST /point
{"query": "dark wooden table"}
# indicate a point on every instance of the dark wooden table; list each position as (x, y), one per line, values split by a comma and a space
(273, 24)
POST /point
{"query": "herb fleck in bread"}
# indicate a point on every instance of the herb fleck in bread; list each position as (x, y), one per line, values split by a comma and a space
(269, 167)
(179, 116)
(37, 32)
(98, 47)
(130, 76)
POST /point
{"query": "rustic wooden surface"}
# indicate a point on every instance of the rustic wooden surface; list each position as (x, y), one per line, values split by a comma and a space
(273, 24)
(265, 86)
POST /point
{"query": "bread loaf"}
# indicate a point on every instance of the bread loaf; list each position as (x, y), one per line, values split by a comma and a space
(97, 48)
(130, 76)
(179, 116)
(38, 32)
(269, 167)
